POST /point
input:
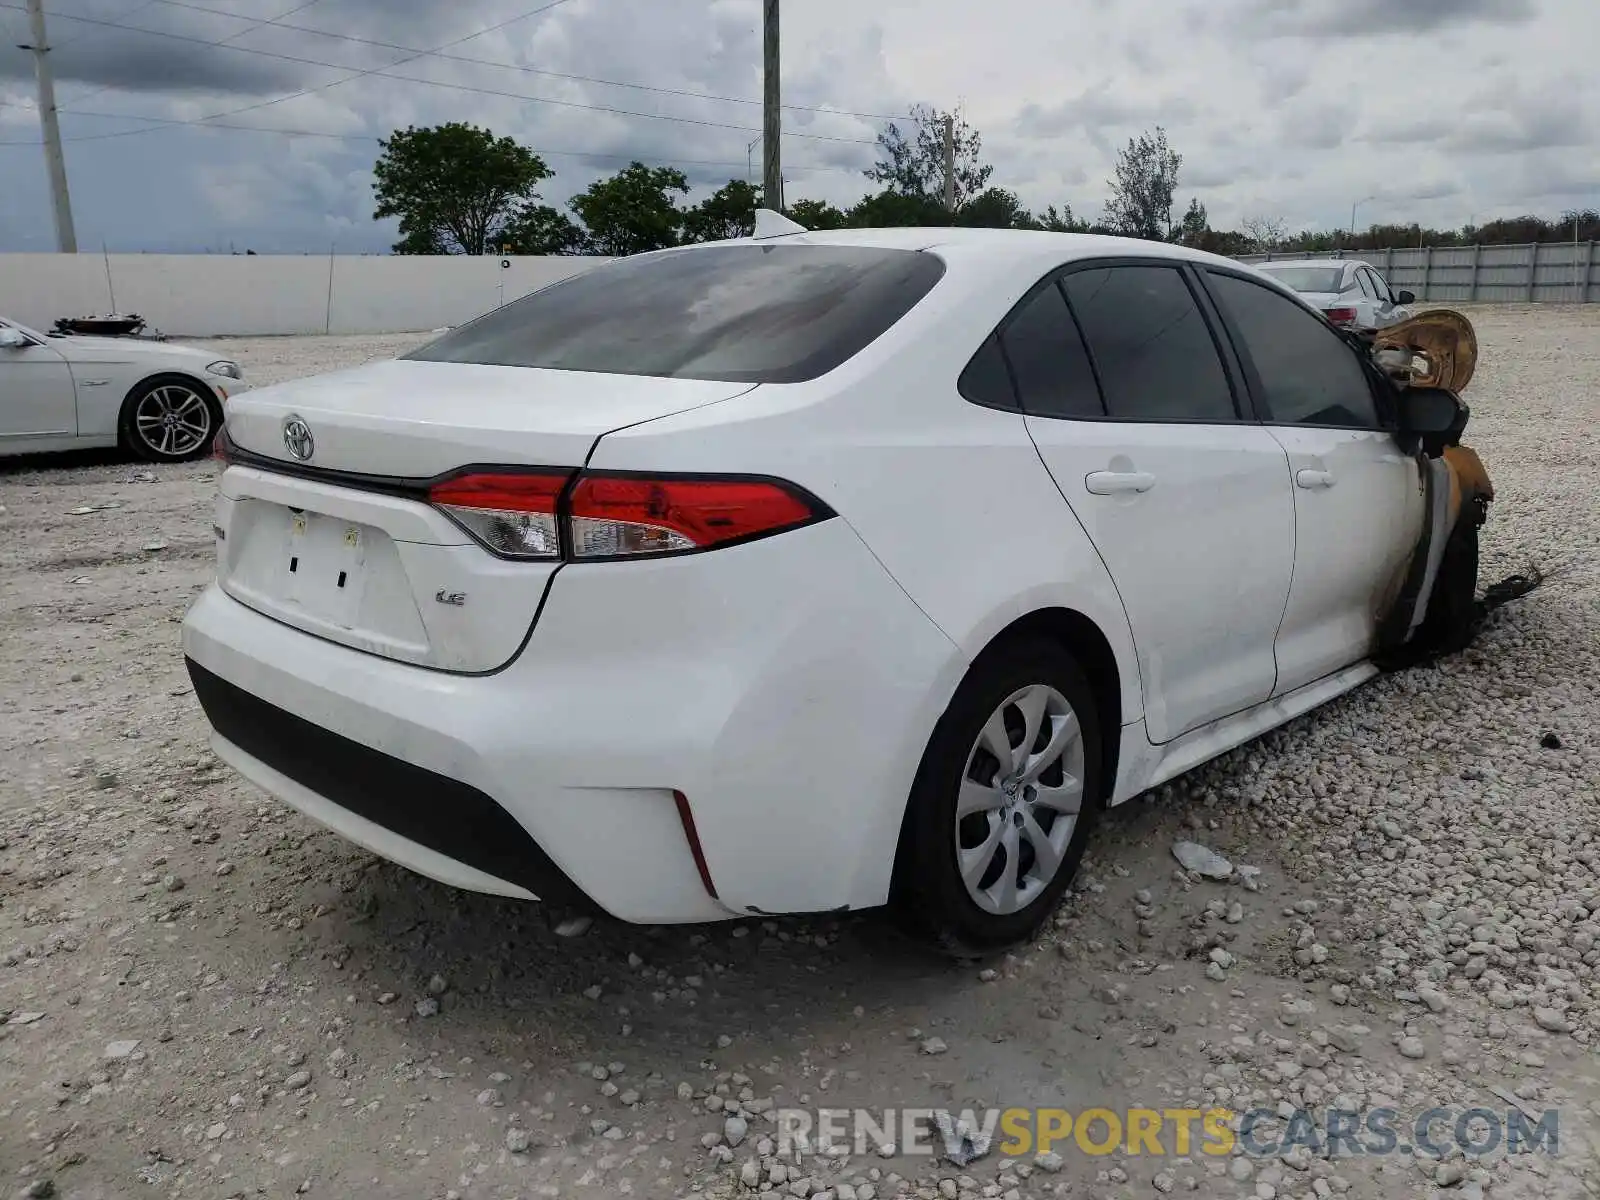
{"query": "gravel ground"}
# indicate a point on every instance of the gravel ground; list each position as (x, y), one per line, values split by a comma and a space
(202, 994)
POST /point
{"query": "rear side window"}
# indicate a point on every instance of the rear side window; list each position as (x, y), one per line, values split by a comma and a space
(1308, 374)
(745, 314)
(986, 380)
(1151, 345)
(1041, 342)
(1364, 282)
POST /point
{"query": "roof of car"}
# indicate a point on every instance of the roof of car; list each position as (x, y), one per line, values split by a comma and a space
(1311, 262)
(1019, 244)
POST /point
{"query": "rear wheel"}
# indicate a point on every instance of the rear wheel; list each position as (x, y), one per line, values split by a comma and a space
(169, 419)
(1003, 802)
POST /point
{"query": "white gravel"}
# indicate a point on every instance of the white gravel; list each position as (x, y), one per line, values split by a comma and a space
(202, 994)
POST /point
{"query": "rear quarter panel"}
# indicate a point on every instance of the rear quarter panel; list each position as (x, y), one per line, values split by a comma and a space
(950, 497)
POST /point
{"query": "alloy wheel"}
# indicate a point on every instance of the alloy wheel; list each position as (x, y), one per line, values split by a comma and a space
(173, 420)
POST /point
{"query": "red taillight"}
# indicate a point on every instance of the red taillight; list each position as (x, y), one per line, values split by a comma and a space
(623, 517)
(1342, 316)
(513, 514)
(526, 514)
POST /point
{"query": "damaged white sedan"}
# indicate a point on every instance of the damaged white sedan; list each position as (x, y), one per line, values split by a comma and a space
(824, 570)
(159, 401)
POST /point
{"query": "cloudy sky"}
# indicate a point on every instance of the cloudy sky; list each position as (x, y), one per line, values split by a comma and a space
(1438, 110)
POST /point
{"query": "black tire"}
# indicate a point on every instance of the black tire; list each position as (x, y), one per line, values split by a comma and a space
(195, 404)
(930, 897)
(1452, 616)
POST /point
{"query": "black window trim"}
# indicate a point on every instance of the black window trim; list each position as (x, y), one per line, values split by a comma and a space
(1246, 411)
(1385, 292)
(1377, 383)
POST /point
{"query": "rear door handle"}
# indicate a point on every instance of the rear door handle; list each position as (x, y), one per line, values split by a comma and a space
(1313, 479)
(1110, 483)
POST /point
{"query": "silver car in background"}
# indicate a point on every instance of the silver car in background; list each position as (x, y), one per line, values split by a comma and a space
(1349, 292)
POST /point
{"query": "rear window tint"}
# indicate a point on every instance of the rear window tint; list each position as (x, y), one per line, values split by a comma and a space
(745, 314)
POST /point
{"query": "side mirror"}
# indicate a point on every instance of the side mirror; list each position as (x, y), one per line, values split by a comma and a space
(13, 339)
(1403, 297)
(1431, 417)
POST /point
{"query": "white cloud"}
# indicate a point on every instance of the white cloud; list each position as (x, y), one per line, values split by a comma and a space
(1289, 107)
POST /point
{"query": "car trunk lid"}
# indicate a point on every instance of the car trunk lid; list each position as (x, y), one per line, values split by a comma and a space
(341, 542)
(414, 420)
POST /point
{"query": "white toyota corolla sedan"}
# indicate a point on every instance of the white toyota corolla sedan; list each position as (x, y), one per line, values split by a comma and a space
(815, 572)
(160, 401)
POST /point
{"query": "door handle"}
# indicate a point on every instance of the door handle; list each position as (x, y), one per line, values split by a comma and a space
(1313, 479)
(1110, 483)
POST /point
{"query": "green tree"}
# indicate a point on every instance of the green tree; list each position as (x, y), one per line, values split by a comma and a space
(420, 241)
(891, 209)
(632, 212)
(1141, 192)
(541, 229)
(914, 166)
(729, 212)
(1194, 226)
(453, 186)
(1060, 222)
(816, 214)
(994, 208)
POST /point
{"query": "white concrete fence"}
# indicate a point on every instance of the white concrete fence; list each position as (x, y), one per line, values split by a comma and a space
(198, 295)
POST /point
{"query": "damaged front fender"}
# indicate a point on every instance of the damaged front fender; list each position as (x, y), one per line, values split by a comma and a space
(1437, 350)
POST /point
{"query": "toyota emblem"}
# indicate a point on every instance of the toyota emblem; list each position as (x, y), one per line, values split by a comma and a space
(297, 439)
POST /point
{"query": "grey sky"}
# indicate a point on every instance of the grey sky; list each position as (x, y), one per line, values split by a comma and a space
(1441, 110)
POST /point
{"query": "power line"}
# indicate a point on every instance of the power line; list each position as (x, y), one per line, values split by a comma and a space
(279, 23)
(371, 137)
(361, 74)
(219, 42)
(383, 73)
(121, 16)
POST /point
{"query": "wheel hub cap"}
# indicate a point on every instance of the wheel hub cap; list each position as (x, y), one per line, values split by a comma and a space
(1018, 800)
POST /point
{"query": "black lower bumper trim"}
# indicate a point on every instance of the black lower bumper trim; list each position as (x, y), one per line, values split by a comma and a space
(445, 815)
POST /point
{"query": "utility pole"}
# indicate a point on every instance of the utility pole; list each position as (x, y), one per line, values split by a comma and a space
(949, 163)
(66, 238)
(1353, 208)
(771, 111)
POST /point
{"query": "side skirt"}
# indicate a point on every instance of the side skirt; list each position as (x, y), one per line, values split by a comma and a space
(1144, 765)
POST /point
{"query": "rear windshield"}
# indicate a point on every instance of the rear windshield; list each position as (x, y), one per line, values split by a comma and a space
(745, 314)
(1308, 279)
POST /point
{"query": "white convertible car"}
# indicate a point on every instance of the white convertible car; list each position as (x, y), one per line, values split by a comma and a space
(156, 400)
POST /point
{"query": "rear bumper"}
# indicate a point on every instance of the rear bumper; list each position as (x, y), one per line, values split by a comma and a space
(785, 688)
(433, 824)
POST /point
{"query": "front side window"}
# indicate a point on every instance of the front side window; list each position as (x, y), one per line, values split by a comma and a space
(1365, 285)
(1308, 374)
(1150, 344)
(1380, 288)
(744, 314)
